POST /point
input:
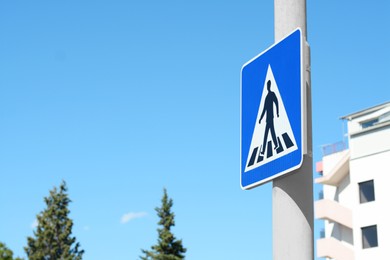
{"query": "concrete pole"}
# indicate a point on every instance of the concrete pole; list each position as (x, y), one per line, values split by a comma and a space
(292, 194)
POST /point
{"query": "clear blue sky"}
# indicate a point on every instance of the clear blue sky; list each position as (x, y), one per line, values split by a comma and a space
(123, 98)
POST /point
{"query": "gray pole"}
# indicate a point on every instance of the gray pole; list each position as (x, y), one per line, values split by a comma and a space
(292, 194)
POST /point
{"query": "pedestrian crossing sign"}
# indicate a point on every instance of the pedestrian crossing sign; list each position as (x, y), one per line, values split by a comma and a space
(272, 112)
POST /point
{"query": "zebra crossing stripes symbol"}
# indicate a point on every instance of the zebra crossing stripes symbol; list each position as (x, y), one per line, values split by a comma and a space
(272, 136)
(257, 154)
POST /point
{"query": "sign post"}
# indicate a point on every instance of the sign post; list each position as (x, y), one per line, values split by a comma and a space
(276, 131)
(292, 195)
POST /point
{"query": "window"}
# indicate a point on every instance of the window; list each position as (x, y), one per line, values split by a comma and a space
(369, 237)
(366, 191)
(369, 123)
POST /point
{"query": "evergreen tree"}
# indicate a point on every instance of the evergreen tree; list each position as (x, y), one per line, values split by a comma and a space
(53, 240)
(167, 248)
(6, 253)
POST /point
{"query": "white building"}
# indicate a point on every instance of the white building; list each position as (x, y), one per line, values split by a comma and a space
(356, 190)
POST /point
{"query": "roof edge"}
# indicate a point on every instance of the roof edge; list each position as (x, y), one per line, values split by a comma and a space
(365, 111)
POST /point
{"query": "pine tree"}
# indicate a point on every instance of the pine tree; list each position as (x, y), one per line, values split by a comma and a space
(6, 253)
(167, 248)
(53, 240)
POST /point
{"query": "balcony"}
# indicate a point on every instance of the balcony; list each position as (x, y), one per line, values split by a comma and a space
(339, 171)
(333, 248)
(329, 149)
(333, 211)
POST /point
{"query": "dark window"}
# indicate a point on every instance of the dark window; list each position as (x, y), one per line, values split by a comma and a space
(369, 237)
(366, 191)
(370, 123)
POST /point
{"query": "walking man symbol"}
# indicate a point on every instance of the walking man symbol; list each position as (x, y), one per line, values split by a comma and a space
(272, 137)
(268, 108)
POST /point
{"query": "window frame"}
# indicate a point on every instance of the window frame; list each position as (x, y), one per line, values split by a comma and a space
(362, 197)
(365, 242)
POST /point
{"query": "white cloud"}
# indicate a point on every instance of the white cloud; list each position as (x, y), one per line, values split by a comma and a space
(34, 224)
(132, 215)
(86, 228)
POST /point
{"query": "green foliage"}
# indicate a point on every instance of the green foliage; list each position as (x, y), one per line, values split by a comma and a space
(6, 253)
(52, 237)
(167, 248)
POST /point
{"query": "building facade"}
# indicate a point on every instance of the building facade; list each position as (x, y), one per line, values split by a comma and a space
(356, 190)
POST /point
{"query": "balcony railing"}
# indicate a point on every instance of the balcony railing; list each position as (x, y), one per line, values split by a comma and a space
(329, 149)
(338, 172)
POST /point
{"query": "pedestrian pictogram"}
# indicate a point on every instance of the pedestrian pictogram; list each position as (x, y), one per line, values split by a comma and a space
(272, 137)
(272, 112)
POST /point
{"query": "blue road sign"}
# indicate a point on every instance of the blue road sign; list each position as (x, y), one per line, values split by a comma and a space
(272, 112)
